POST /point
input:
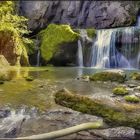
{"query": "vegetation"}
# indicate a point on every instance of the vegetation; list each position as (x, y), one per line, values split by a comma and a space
(54, 36)
(132, 98)
(111, 115)
(120, 90)
(135, 76)
(108, 76)
(29, 78)
(15, 26)
(91, 32)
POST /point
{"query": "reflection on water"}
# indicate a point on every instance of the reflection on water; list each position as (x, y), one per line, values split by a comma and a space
(39, 93)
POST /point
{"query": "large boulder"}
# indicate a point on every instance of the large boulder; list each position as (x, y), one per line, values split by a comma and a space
(83, 14)
(109, 75)
(59, 44)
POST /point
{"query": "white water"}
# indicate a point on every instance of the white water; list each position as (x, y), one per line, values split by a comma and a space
(81, 47)
(38, 58)
(14, 120)
(80, 54)
(106, 53)
(101, 49)
(138, 21)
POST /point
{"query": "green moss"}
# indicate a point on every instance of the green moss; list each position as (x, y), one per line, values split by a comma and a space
(132, 98)
(135, 76)
(84, 104)
(54, 36)
(108, 76)
(29, 78)
(120, 90)
(91, 32)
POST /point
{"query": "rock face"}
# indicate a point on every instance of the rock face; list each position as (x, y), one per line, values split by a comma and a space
(83, 14)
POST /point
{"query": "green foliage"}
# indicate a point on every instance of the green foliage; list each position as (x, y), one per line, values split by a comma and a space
(53, 36)
(91, 32)
(132, 98)
(14, 25)
(11, 22)
(120, 90)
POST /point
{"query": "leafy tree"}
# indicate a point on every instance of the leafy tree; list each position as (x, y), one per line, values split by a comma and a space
(10, 21)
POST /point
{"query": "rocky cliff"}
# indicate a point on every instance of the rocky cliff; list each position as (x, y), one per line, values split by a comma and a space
(80, 14)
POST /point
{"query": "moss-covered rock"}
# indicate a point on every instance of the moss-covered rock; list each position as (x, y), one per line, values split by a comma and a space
(91, 32)
(135, 76)
(87, 105)
(109, 75)
(132, 98)
(120, 90)
(29, 78)
(53, 37)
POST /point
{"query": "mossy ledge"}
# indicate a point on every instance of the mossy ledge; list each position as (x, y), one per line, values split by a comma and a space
(84, 104)
(113, 76)
(53, 37)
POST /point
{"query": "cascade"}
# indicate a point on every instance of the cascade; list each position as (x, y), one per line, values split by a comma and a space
(38, 52)
(81, 46)
(80, 54)
(38, 58)
(116, 48)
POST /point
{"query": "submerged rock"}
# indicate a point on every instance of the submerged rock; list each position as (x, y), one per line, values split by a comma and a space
(109, 75)
(121, 133)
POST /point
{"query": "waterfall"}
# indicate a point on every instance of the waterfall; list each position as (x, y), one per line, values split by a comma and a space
(138, 20)
(38, 58)
(37, 44)
(82, 48)
(80, 54)
(116, 48)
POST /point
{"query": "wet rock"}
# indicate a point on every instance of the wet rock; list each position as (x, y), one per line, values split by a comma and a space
(4, 113)
(120, 133)
(137, 88)
(109, 75)
(132, 85)
(56, 119)
(137, 94)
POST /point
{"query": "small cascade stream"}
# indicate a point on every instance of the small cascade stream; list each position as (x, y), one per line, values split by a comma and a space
(80, 54)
